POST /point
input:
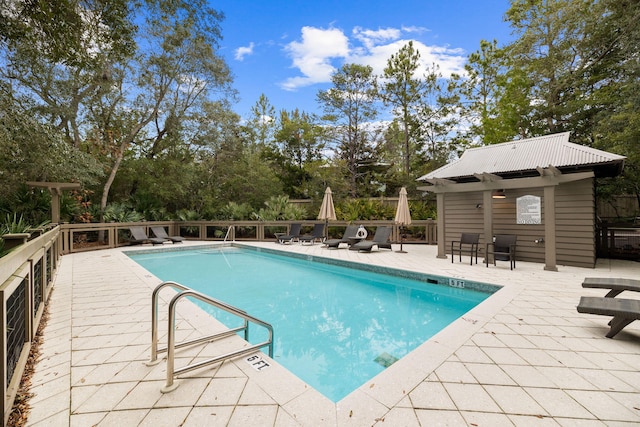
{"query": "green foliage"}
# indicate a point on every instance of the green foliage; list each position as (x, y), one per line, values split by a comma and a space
(422, 210)
(188, 215)
(364, 209)
(62, 31)
(233, 211)
(34, 205)
(12, 223)
(279, 208)
(121, 212)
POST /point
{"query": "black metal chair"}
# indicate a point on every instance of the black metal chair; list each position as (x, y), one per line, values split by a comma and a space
(503, 248)
(468, 243)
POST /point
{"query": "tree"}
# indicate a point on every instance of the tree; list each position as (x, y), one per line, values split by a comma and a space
(298, 146)
(483, 97)
(60, 30)
(550, 58)
(349, 107)
(32, 151)
(404, 92)
(263, 120)
(112, 104)
(436, 121)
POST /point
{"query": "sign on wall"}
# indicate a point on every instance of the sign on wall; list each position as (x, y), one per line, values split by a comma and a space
(528, 210)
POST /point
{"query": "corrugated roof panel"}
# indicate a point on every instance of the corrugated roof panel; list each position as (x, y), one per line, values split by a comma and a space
(523, 155)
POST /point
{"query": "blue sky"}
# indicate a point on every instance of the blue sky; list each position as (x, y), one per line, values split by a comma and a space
(289, 49)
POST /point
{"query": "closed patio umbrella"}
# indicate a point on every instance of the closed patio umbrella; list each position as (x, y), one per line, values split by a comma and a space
(403, 216)
(327, 211)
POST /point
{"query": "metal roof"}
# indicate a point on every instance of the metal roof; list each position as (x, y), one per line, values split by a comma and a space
(525, 155)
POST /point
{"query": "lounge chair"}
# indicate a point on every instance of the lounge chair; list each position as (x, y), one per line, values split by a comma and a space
(468, 243)
(380, 239)
(349, 232)
(624, 311)
(503, 248)
(294, 234)
(139, 236)
(616, 285)
(317, 233)
(160, 233)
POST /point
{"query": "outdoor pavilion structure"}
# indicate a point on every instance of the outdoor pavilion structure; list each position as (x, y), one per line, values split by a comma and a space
(559, 173)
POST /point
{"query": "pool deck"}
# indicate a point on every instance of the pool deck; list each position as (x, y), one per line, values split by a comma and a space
(523, 357)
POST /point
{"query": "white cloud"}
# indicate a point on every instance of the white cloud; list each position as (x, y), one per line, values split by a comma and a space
(243, 51)
(370, 38)
(322, 51)
(312, 56)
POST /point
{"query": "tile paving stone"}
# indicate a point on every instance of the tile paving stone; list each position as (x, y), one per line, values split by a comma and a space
(405, 417)
(606, 380)
(283, 419)
(52, 405)
(210, 416)
(603, 406)
(439, 418)
(254, 415)
(452, 372)
(504, 356)
(100, 398)
(187, 393)
(530, 335)
(165, 417)
(431, 395)
(515, 341)
(486, 419)
(124, 418)
(558, 403)
(102, 374)
(42, 391)
(537, 357)
(309, 409)
(61, 419)
(145, 394)
(514, 400)
(532, 421)
(472, 354)
(489, 374)
(355, 411)
(571, 359)
(222, 392)
(471, 397)
(565, 378)
(574, 422)
(253, 394)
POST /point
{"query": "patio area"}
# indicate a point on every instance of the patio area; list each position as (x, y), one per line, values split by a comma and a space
(523, 357)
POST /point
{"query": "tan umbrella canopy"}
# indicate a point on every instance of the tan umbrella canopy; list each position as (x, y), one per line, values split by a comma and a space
(403, 216)
(327, 211)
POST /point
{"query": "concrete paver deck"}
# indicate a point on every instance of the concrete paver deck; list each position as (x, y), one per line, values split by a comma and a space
(523, 357)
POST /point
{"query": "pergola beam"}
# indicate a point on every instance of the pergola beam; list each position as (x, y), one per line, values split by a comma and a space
(508, 184)
(55, 189)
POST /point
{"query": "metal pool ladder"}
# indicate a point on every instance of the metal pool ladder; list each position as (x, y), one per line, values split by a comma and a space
(231, 230)
(172, 346)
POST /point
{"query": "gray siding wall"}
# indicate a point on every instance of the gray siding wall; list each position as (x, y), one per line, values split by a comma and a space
(575, 227)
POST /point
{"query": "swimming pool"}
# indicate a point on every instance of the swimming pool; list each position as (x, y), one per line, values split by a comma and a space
(335, 327)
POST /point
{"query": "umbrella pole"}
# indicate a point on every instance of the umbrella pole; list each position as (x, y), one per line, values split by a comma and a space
(326, 228)
(401, 240)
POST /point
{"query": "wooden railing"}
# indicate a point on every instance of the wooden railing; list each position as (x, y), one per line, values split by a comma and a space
(85, 237)
(26, 278)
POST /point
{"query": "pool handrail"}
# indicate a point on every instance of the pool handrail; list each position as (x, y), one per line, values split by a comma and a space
(171, 345)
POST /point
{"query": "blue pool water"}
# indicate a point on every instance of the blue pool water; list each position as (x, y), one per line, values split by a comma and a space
(334, 327)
